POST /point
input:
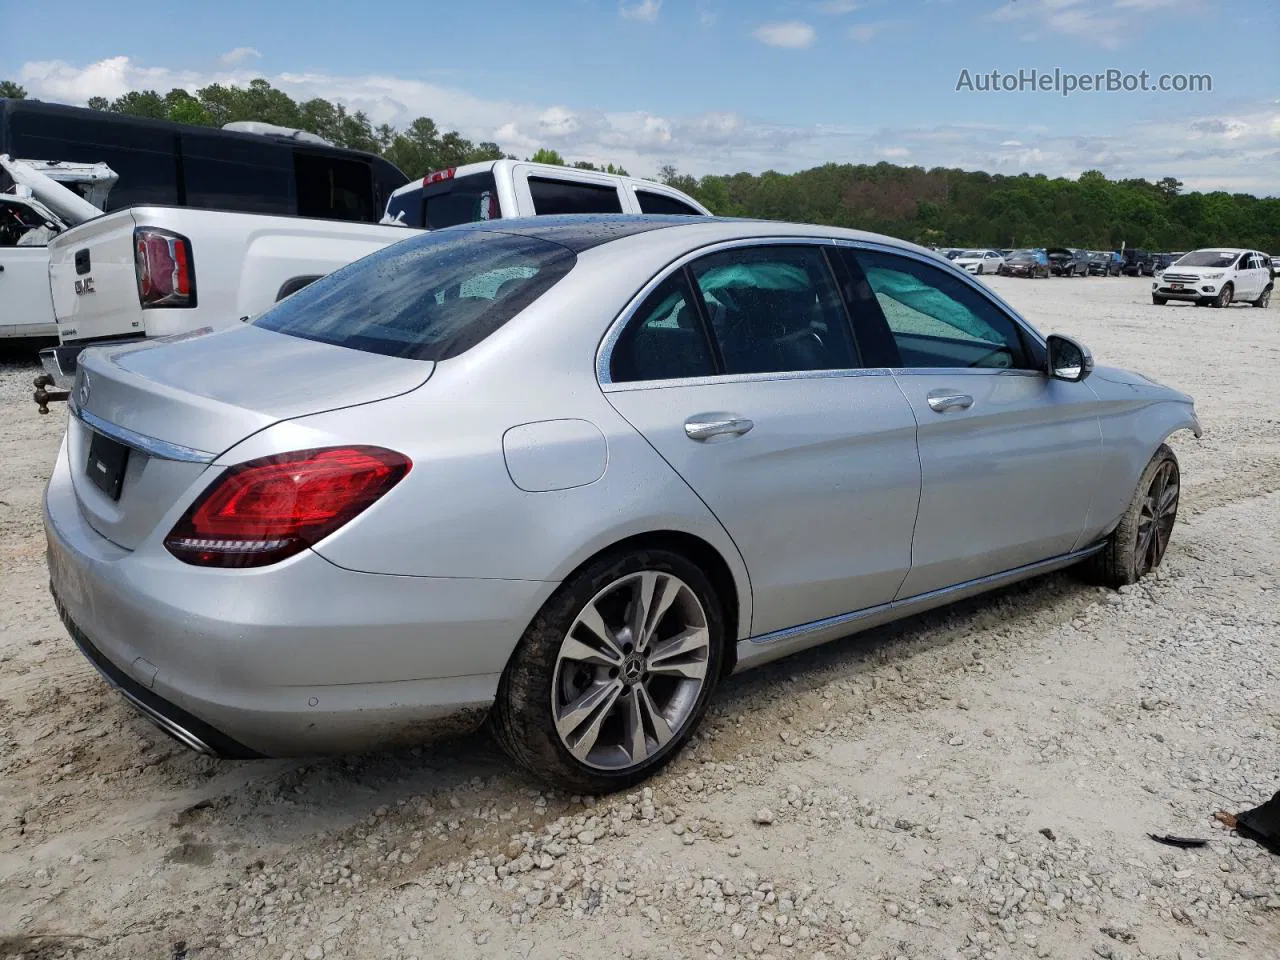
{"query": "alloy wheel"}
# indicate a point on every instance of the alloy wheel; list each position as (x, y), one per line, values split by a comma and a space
(630, 669)
(1156, 516)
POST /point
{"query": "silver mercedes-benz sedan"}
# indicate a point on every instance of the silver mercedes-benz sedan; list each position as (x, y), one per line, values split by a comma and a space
(566, 473)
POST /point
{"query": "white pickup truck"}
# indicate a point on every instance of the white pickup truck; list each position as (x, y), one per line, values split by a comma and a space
(160, 271)
(34, 208)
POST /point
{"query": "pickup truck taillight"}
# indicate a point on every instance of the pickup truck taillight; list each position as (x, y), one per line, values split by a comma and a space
(162, 262)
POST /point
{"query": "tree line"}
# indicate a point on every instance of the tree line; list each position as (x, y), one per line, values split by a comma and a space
(938, 206)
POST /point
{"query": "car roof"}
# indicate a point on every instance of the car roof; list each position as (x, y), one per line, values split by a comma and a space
(581, 232)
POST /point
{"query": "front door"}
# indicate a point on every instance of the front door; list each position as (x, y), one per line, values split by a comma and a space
(1008, 456)
(26, 305)
(742, 372)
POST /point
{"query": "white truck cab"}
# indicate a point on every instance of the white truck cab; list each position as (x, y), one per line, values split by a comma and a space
(516, 188)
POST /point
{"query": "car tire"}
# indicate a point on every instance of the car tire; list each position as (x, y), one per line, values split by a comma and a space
(1159, 301)
(1224, 296)
(979, 269)
(1265, 300)
(532, 718)
(1137, 546)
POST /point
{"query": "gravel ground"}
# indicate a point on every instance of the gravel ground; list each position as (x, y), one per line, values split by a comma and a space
(974, 783)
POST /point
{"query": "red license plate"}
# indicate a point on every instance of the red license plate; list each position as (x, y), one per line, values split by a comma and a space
(1175, 286)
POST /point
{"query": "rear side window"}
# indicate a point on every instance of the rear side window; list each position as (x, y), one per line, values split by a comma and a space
(552, 197)
(430, 297)
(664, 340)
(660, 203)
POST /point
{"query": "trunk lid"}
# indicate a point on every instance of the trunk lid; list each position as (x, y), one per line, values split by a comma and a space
(91, 274)
(178, 403)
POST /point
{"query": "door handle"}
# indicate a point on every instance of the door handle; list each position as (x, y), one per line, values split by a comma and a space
(945, 401)
(705, 428)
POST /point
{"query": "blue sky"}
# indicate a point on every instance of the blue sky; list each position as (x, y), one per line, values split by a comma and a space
(721, 85)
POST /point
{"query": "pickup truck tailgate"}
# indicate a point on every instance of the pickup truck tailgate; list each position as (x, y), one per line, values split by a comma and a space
(91, 274)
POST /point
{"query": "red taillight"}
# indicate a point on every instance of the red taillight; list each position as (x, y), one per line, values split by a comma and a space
(263, 511)
(438, 175)
(162, 263)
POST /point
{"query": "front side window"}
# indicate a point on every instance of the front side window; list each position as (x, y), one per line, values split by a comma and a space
(774, 309)
(938, 320)
(552, 197)
(665, 339)
(20, 226)
(430, 297)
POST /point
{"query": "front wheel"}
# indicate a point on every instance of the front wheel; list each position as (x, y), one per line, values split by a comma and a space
(1264, 300)
(1159, 301)
(614, 674)
(1224, 297)
(1138, 544)
(979, 269)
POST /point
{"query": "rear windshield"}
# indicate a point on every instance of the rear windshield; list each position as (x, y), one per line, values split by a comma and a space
(427, 298)
(448, 203)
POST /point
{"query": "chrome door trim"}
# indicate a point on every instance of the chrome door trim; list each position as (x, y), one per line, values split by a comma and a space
(160, 449)
(744, 378)
(780, 643)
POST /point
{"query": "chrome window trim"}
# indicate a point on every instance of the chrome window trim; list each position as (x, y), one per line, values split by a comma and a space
(604, 353)
(161, 449)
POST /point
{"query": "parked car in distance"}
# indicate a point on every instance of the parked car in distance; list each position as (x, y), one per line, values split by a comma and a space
(1161, 260)
(1101, 264)
(1068, 262)
(1216, 277)
(1026, 263)
(569, 472)
(979, 261)
(1136, 262)
(151, 282)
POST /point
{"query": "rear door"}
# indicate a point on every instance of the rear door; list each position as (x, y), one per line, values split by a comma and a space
(26, 308)
(742, 372)
(540, 192)
(1008, 456)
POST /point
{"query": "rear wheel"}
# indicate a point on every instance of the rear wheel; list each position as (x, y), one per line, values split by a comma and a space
(1264, 300)
(614, 673)
(1138, 544)
(1224, 297)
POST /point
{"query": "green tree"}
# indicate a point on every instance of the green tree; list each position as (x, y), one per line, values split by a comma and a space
(547, 156)
(10, 89)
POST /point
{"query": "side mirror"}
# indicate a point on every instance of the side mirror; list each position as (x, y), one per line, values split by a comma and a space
(1068, 359)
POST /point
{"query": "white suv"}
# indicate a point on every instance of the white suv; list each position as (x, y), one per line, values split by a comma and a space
(1216, 276)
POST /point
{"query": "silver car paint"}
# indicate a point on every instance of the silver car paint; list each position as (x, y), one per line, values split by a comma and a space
(450, 567)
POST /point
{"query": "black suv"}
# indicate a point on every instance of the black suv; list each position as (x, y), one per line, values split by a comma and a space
(1137, 262)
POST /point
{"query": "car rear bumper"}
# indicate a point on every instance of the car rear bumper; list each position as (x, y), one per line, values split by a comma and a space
(296, 659)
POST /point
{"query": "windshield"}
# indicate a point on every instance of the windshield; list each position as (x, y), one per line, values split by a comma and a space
(1208, 258)
(427, 298)
(1023, 255)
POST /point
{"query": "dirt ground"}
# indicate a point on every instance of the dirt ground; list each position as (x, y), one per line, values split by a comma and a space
(977, 782)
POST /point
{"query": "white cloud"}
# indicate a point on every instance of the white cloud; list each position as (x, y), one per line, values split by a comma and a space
(790, 35)
(862, 32)
(837, 7)
(239, 55)
(1109, 24)
(646, 10)
(1232, 148)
